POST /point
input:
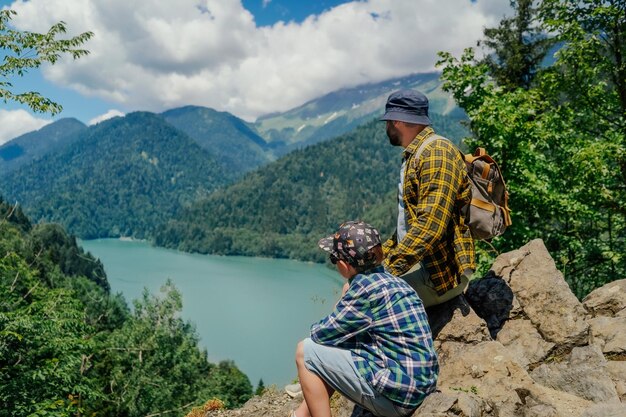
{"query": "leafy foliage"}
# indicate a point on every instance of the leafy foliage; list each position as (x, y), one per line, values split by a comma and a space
(519, 46)
(560, 141)
(27, 50)
(283, 209)
(68, 348)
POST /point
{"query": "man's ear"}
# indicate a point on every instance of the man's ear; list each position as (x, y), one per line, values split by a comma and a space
(345, 269)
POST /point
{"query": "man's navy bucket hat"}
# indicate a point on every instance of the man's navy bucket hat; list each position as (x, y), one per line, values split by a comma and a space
(408, 106)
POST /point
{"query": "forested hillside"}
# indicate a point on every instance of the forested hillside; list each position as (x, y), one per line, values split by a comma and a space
(68, 347)
(120, 178)
(233, 143)
(31, 146)
(282, 209)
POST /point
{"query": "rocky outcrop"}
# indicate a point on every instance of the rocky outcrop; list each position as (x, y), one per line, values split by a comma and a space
(518, 344)
(551, 355)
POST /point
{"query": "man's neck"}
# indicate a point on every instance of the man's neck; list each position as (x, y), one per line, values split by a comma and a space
(410, 134)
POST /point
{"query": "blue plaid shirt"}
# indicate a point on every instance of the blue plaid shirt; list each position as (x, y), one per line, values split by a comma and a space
(381, 320)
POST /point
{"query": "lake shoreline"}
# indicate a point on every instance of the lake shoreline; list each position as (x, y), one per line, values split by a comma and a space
(235, 302)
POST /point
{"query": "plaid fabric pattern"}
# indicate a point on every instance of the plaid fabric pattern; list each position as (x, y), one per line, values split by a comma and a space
(435, 189)
(382, 321)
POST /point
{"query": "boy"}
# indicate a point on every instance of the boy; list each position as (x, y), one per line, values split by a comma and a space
(376, 347)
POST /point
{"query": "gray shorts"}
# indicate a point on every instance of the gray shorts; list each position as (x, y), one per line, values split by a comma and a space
(336, 367)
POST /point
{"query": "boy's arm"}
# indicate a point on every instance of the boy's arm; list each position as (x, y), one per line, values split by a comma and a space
(348, 319)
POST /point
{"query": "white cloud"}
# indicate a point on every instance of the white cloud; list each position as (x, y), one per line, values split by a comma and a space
(158, 54)
(106, 116)
(17, 122)
(266, 3)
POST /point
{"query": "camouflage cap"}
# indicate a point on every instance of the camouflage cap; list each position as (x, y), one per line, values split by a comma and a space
(352, 243)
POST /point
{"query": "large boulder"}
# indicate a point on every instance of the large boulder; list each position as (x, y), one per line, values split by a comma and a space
(544, 296)
(608, 300)
(617, 371)
(524, 342)
(583, 373)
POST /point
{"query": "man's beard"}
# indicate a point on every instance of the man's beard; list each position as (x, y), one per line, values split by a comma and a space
(394, 135)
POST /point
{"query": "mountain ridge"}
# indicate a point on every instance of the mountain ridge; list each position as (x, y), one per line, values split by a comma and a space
(342, 110)
(26, 148)
(232, 141)
(122, 177)
(321, 118)
(236, 146)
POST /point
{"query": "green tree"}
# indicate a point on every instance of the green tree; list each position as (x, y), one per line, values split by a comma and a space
(44, 354)
(152, 363)
(25, 50)
(69, 348)
(561, 141)
(587, 87)
(517, 47)
(260, 388)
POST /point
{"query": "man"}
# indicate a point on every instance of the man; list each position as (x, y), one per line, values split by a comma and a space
(376, 346)
(432, 248)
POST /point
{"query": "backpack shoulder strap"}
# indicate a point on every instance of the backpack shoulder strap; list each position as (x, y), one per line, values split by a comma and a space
(427, 141)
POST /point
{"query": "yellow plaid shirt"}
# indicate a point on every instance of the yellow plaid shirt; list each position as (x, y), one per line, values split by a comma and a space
(435, 188)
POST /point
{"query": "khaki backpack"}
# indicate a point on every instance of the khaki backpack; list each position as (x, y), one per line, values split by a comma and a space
(488, 214)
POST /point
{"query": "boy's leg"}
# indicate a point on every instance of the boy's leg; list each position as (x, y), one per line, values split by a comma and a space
(335, 367)
(316, 391)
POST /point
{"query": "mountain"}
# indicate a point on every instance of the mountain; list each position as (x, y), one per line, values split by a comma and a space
(283, 208)
(341, 111)
(34, 145)
(231, 140)
(241, 146)
(120, 177)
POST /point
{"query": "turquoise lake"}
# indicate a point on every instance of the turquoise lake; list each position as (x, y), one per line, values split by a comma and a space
(250, 310)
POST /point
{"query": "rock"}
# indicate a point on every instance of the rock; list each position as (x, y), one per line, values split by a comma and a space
(617, 371)
(469, 405)
(607, 300)
(563, 404)
(605, 410)
(491, 374)
(456, 321)
(485, 369)
(340, 406)
(546, 298)
(582, 373)
(508, 262)
(609, 333)
(273, 402)
(459, 404)
(524, 342)
(436, 404)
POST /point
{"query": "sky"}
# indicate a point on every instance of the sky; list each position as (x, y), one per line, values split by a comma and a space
(250, 57)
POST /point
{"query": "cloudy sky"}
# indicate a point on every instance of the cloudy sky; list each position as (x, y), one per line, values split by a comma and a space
(249, 57)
